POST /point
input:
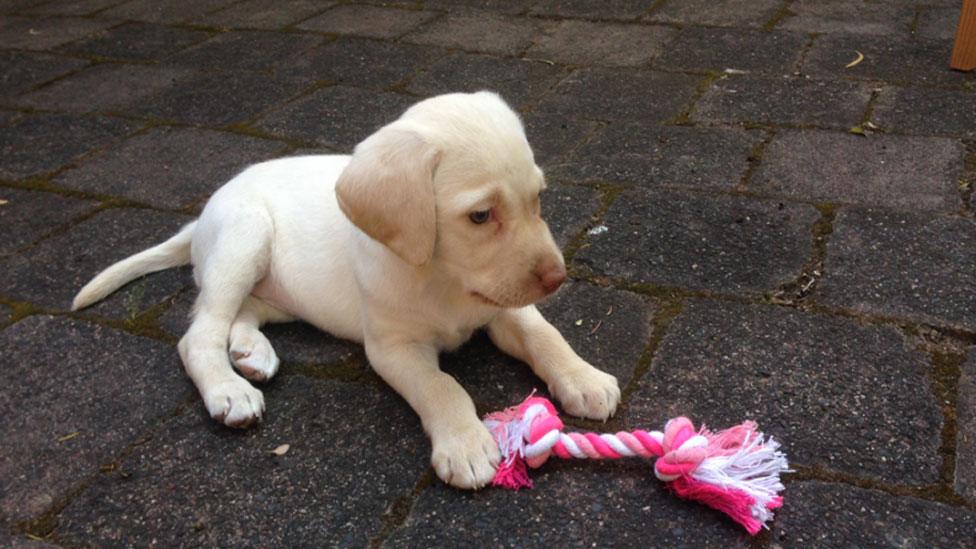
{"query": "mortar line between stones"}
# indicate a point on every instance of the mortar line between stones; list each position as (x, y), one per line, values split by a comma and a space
(401, 508)
(754, 160)
(608, 195)
(946, 369)
(668, 310)
(782, 13)
(927, 492)
(804, 284)
(666, 292)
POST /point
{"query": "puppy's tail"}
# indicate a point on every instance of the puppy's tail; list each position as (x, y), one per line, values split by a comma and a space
(172, 253)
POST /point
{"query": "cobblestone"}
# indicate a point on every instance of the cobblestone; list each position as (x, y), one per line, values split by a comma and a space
(22, 71)
(718, 49)
(189, 165)
(718, 243)
(76, 396)
(663, 155)
(518, 81)
(926, 112)
(584, 43)
(26, 216)
(823, 103)
(40, 143)
(621, 95)
(839, 395)
(368, 21)
(904, 265)
(829, 514)
(894, 171)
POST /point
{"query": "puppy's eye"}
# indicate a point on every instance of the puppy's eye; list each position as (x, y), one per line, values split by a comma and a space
(480, 217)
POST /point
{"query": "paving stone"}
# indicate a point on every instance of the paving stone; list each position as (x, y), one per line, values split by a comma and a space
(518, 81)
(51, 273)
(902, 265)
(479, 33)
(717, 49)
(171, 11)
(725, 13)
(266, 14)
(338, 116)
(965, 481)
(247, 50)
(106, 88)
(552, 136)
(368, 21)
(609, 9)
(76, 396)
(662, 155)
(573, 504)
(926, 111)
(188, 164)
(141, 41)
(858, 18)
(614, 328)
(621, 94)
(26, 216)
(39, 143)
(837, 394)
(885, 170)
(585, 43)
(697, 242)
(362, 62)
(30, 33)
(217, 99)
(568, 209)
(938, 23)
(13, 6)
(826, 514)
(468, 6)
(826, 103)
(319, 493)
(897, 61)
(22, 71)
(72, 7)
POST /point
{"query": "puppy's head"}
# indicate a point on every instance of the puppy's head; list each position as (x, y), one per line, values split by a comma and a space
(453, 185)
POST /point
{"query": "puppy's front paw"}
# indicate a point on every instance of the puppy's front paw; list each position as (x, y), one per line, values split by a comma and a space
(587, 392)
(253, 356)
(465, 457)
(234, 403)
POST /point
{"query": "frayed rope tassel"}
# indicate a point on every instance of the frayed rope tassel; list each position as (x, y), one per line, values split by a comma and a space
(735, 471)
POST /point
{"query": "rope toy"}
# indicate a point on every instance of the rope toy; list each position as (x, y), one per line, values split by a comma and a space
(735, 471)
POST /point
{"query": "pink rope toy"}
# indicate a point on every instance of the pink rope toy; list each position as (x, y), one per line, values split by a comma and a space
(735, 471)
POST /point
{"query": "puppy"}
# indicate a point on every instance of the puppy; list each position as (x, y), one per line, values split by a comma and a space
(429, 231)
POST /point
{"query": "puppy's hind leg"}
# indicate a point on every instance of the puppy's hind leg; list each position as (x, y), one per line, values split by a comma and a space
(236, 259)
(250, 351)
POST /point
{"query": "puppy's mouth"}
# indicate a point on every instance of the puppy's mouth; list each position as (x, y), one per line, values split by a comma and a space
(484, 299)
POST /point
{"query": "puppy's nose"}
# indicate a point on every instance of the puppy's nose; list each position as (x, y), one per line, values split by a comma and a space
(550, 275)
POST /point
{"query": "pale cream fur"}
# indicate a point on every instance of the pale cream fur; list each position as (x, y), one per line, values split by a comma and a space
(380, 248)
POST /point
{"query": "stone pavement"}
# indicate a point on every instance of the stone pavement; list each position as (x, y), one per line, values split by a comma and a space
(754, 229)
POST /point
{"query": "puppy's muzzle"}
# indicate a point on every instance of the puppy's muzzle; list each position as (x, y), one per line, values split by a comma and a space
(551, 275)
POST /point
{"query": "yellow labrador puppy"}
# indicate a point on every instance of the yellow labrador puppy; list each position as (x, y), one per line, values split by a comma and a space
(429, 231)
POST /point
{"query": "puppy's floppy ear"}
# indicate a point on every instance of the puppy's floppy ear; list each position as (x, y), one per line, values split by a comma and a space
(387, 190)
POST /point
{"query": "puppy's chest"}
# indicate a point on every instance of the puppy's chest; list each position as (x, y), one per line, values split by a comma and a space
(451, 339)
